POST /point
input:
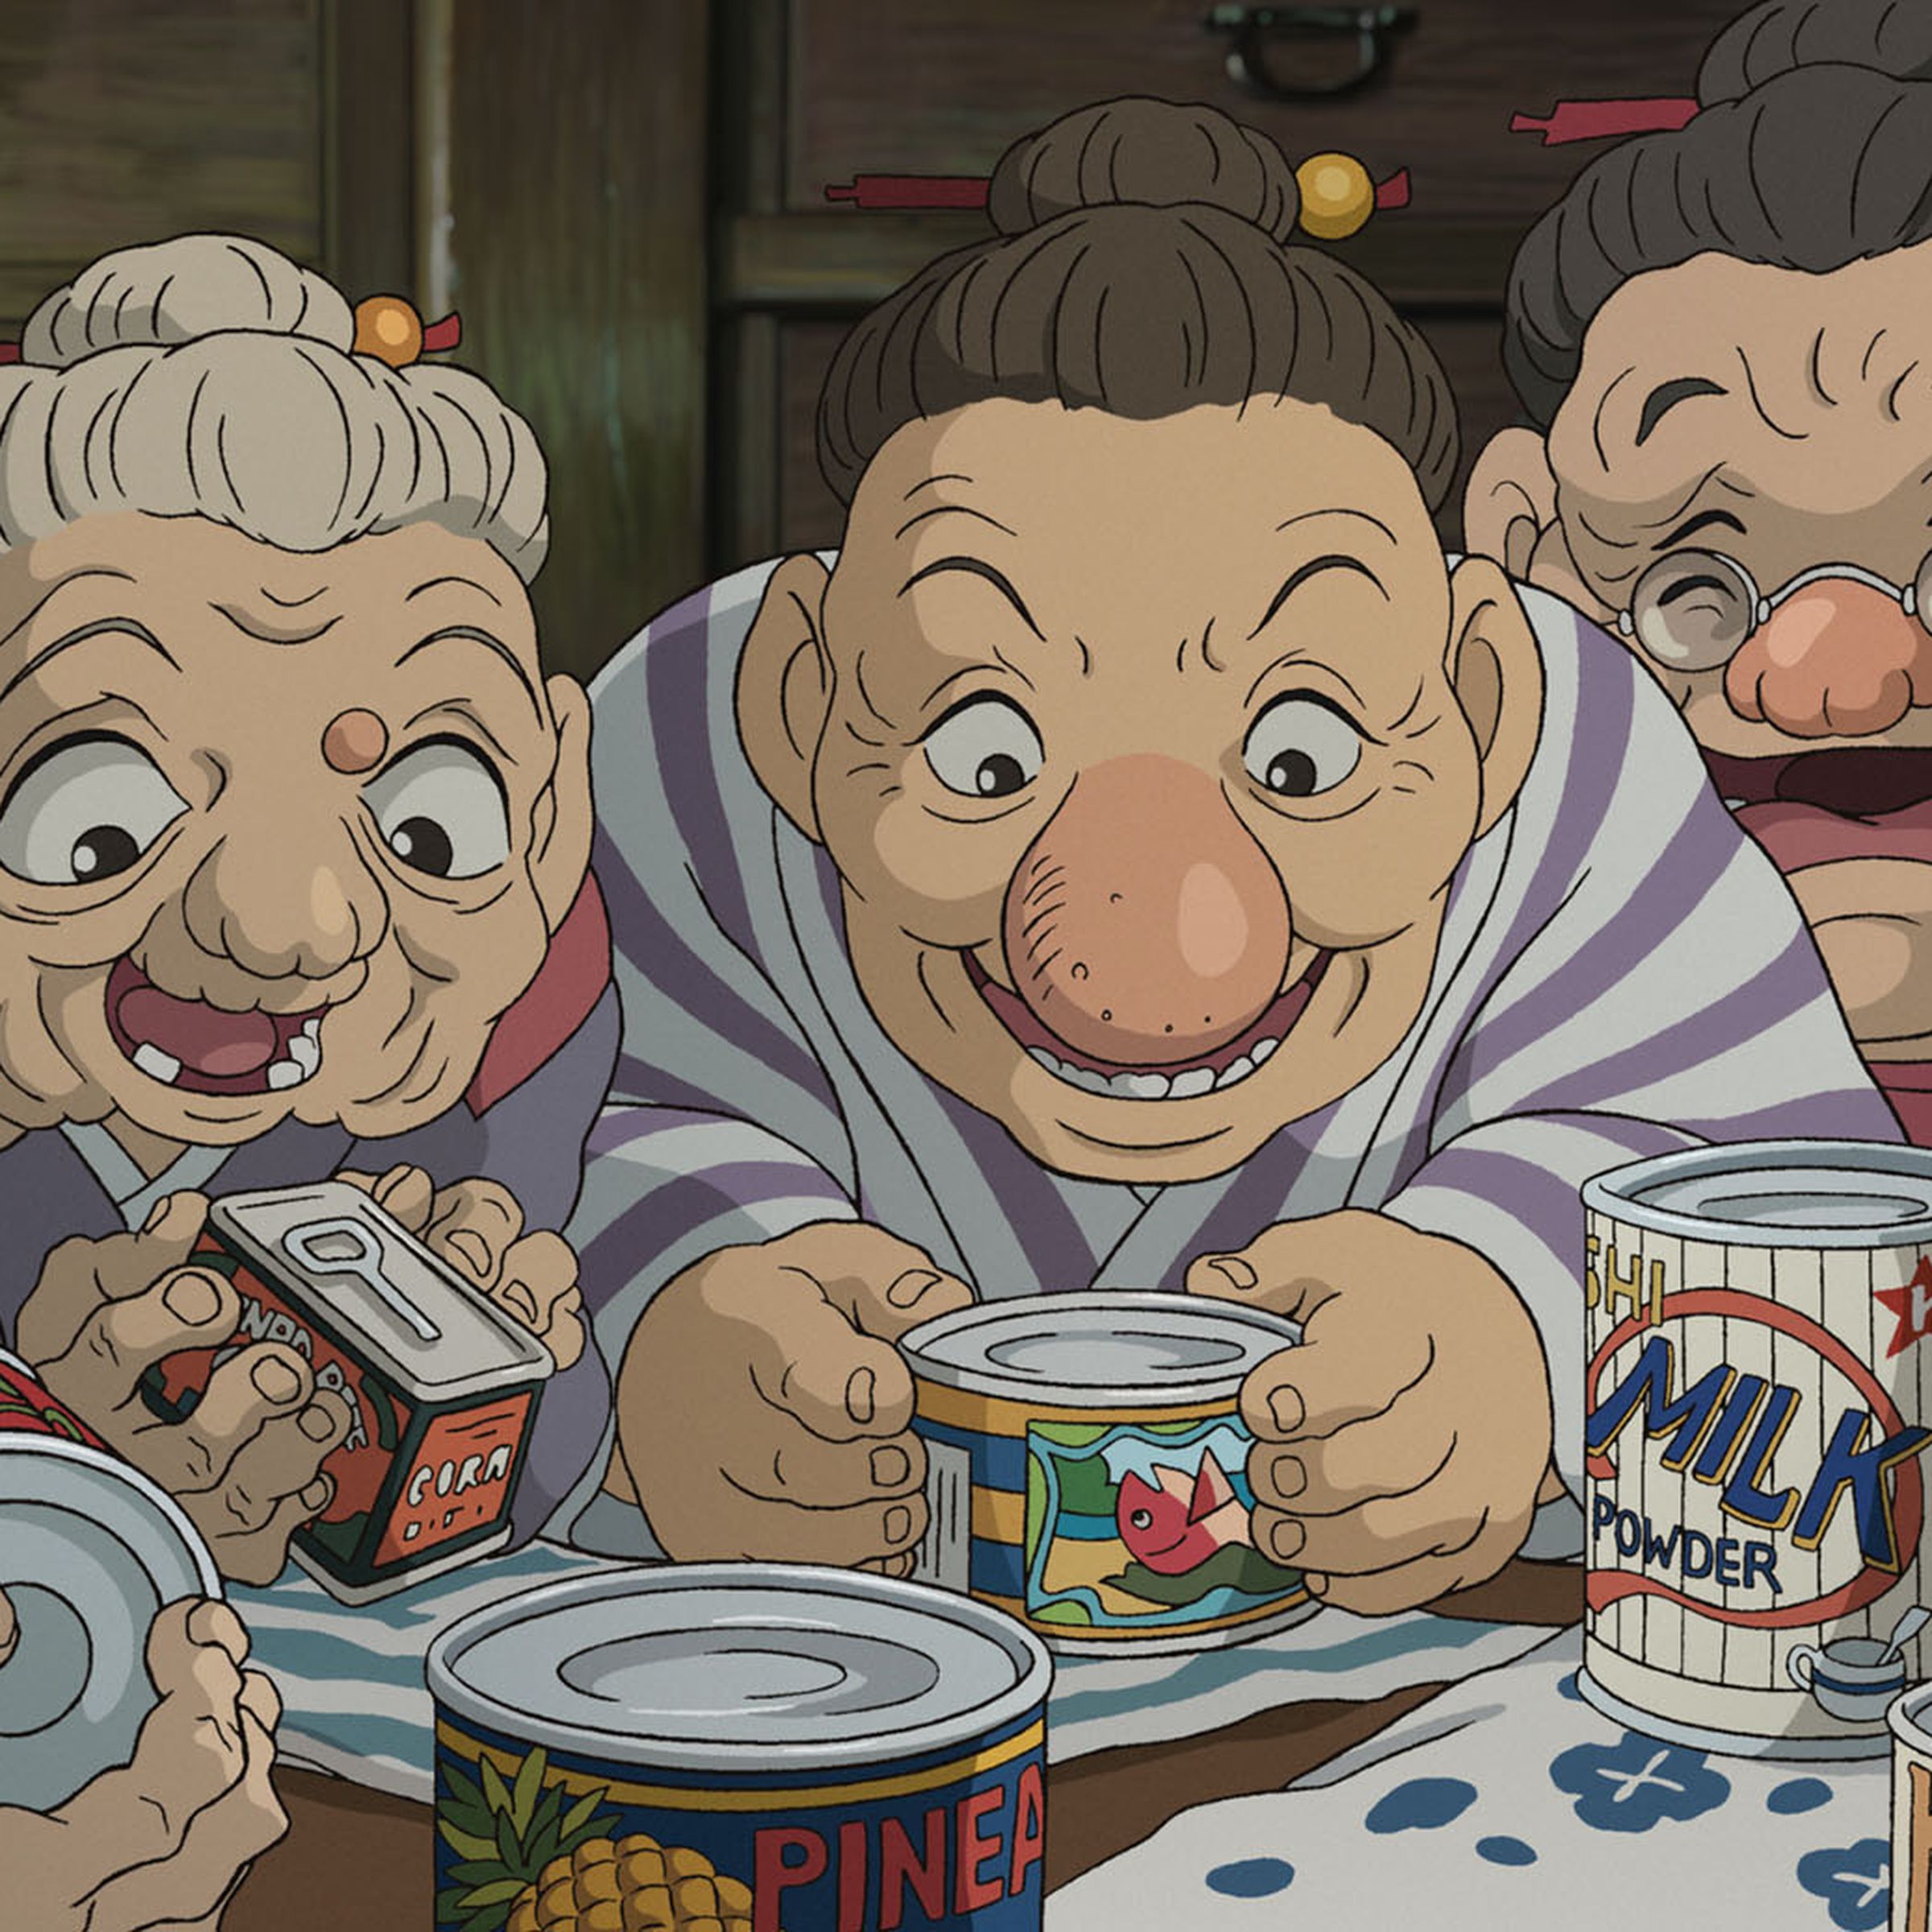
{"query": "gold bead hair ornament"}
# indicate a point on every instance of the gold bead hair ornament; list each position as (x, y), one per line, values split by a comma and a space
(387, 327)
(1338, 193)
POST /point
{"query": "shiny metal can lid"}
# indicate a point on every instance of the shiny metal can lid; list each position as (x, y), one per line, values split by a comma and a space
(1101, 1350)
(1776, 1193)
(740, 1666)
(89, 1550)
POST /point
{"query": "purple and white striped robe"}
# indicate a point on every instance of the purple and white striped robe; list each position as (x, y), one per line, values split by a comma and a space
(1621, 973)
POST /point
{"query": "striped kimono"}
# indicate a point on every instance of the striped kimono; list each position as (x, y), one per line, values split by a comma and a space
(1621, 973)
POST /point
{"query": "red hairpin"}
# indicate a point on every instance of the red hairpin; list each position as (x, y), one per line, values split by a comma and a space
(387, 327)
(1604, 120)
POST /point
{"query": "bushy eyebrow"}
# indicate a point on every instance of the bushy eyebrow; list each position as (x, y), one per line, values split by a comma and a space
(1704, 519)
(977, 566)
(1667, 395)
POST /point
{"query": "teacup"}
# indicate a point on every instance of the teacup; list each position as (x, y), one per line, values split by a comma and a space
(1849, 1678)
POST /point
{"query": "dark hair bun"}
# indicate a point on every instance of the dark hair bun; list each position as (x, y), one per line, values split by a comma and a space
(1155, 153)
(1892, 37)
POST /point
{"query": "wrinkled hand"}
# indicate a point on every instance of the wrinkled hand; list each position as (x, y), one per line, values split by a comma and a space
(477, 1226)
(1399, 1451)
(247, 1464)
(762, 1410)
(165, 1840)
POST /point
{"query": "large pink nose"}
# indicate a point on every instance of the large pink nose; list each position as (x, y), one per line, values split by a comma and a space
(1144, 924)
(1836, 658)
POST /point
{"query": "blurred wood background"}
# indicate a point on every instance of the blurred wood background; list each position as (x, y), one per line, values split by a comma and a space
(625, 198)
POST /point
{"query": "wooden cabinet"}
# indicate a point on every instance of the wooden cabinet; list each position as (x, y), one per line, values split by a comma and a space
(818, 91)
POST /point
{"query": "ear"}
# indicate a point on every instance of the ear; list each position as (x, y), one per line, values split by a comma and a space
(1510, 514)
(1497, 670)
(784, 691)
(560, 851)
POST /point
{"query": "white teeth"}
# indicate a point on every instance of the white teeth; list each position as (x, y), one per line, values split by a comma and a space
(1238, 1070)
(1086, 1077)
(312, 1028)
(1141, 1086)
(1260, 1050)
(1138, 1086)
(305, 1053)
(284, 1074)
(154, 1063)
(1185, 1086)
(1045, 1059)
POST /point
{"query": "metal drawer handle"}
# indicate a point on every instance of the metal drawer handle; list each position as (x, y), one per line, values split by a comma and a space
(1253, 30)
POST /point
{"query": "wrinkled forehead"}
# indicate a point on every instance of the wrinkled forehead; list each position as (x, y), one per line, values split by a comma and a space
(1164, 517)
(1815, 391)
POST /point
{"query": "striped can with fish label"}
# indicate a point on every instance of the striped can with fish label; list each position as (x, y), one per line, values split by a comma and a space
(1755, 1394)
(1086, 1469)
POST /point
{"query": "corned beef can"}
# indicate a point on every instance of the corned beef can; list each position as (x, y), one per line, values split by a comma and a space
(739, 1748)
(90, 1549)
(442, 1388)
(1755, 1405)
(1086, 1469)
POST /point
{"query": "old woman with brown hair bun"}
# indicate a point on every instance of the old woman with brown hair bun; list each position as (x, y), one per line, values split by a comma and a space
(1141, 859)
(1723, 337)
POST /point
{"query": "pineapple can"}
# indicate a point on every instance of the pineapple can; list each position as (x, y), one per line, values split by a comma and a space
(90, 1549)
(1756, 1400)
(1086, 1469)
(738, 1748)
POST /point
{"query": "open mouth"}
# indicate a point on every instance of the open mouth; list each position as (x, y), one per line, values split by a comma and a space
(200, 1048)
(1849, 802)
(1182, 1080)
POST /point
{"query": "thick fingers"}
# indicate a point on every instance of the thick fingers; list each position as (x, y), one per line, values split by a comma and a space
(1321, 1475)
(251, 1551)
(815, 1474)
(858, 1535)
(883, 1284)
(1291, 1268)
(406, 1194)
(1379, 1535)
(807, 1359)
(1421, 1582)
(284, 1455)
(1346, 1370)
(187, 1308)
(473, 1225)
(265, 1380)
(538, 1286)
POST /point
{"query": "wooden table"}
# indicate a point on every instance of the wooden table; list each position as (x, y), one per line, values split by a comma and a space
(355, 1857)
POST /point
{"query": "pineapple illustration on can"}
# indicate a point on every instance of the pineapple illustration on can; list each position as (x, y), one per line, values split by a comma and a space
(738, 1748)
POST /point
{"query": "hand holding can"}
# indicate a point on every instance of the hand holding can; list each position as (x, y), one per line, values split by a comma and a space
(246, 1465)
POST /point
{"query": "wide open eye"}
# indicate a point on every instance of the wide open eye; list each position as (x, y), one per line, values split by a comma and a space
(83, 811)
(439, 808)
(985, 748)
(1301, 745)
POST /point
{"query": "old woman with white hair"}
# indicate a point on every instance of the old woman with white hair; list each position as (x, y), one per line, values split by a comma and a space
(294, 836)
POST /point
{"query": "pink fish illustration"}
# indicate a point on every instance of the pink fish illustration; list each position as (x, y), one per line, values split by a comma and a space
(1177, 1527)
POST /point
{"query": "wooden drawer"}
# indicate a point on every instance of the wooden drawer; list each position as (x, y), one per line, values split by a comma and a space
(942, 86)
(809, 517)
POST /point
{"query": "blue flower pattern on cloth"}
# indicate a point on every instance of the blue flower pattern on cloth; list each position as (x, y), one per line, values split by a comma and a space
(1424, 1804)
(1854, 1881)
(1799, 1794)
(1501, 1850)
(1252, 1878)
(1637, 1783)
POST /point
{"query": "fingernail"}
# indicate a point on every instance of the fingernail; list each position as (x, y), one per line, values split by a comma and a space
(911, 1286)
(898, 1523)
(316, 1422)
(891, 1466)
(1287, 1409)
(473, 1248)
(1288, 1475)
(1238, 1274)
(861, 1395)
(157, 1214)
(1284, 1541)
(1316, 1586)
(317, 1495)
(275, 1379)
(193, 1299)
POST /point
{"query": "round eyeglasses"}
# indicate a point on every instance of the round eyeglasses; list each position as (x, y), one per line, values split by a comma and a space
(1694, 609)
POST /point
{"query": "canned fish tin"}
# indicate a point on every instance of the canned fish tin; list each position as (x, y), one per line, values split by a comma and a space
(1755, 1401)
(722, 1748)
(1086, 1469)
(89, 1550)
(442, 1389)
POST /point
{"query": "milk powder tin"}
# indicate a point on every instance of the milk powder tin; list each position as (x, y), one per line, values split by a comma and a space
(89, 1550)
(1758, 1318)
(720, 1747)
(1911, 1725)
(1086, 1469)
(442, 1388)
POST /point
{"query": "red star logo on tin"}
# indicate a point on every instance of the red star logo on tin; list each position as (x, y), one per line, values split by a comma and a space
(1913, 1306)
